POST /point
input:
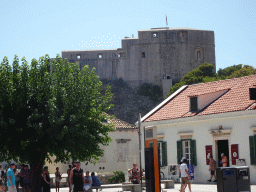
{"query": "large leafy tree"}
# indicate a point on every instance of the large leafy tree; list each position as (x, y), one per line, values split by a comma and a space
(51, 108)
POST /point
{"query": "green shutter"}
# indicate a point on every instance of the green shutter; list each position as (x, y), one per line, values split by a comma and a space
(193, 152)
(252, 141)
(164, 153)
(179, 151)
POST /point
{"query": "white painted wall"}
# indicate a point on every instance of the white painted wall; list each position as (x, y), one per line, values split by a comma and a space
(110, 153)
(239, 122)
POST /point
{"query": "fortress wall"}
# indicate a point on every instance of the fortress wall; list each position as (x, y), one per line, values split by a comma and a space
(152, 57)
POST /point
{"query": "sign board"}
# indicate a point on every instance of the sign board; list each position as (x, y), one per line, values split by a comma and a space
(234, 153)
(149, 133)
(191, 171)
(240, 162)
(208, 152)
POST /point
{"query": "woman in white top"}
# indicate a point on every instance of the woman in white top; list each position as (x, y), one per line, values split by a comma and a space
(57, 179)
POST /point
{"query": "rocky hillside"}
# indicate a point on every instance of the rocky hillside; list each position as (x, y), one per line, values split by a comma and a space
(129, 102)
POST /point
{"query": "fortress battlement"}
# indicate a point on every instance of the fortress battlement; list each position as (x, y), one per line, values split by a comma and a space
(158, 56)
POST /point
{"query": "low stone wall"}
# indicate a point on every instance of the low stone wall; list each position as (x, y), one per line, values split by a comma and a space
(103, 177)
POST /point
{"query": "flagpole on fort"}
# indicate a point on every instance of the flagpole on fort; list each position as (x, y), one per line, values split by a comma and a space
(166, 21)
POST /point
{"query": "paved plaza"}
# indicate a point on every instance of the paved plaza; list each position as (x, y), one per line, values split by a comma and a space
(194, 187)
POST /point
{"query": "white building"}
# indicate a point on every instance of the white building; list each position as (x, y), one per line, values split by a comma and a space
(120, 154)
(207, 118)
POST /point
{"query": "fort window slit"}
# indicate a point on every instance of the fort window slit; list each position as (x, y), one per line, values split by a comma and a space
(198, 55)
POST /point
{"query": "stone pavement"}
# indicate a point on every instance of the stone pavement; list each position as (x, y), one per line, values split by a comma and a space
(194, 187)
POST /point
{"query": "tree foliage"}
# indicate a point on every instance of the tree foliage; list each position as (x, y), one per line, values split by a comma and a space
(205, 73)
(51, 108)
(154, 92)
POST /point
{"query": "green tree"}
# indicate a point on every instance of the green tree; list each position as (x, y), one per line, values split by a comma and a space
(51, 109)
(246, 70)
(204, 73)
(224, 73)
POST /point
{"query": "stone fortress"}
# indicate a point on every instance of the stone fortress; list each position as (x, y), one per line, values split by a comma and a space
(158, 56)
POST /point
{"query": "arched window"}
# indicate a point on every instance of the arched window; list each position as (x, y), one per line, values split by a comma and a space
(198, 55)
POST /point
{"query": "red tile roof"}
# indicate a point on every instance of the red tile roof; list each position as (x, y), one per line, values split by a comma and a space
(236, 98)
(119, 124)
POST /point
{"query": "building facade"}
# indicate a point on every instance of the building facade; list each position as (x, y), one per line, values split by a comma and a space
(158, 56)
(207, 119)
(120, 154)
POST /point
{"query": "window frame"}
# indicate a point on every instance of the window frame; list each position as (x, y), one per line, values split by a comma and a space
(160, 145)
(100, 55)
(163, 153)
(189, 149)
(192, 108)
(193, 156)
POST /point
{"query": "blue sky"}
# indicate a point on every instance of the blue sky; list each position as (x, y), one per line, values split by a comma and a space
(34, 28)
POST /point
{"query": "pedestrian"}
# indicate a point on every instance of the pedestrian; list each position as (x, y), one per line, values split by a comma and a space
(26, 174)
(68, 172)
(212, 169)
(180, 173)
(2, 187)
(184, 176)
(17, 178)
(77, 178)
(135, 172)
(95, 180)
(1, 175)
(88, 182)
(46, 180)
(224, 160)
(11, 179)
(57, 179)
(21, 177)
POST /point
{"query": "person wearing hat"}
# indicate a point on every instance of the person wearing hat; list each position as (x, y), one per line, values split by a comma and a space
(184, 176)
(11, 179)
(224, 160)
(77, 178)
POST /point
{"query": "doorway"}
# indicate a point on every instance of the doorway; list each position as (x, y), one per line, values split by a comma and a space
(223, 147)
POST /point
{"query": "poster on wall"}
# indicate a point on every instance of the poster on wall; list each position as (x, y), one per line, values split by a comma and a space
(191, 171)
(234, 153)
(208, 152)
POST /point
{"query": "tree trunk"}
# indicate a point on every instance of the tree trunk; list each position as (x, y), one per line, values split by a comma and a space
(36, 170)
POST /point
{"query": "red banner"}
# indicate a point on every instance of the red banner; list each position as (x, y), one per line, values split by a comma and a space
(234, 153)
(208, 152)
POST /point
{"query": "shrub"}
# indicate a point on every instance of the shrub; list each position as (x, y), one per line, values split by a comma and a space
(154, 92)
(118, 177)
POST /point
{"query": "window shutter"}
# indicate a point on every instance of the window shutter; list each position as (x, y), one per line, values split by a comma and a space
(252, 149)
(193, 152)
(179, 151)
(164, 153)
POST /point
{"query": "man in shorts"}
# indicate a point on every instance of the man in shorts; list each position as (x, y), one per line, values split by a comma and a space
(11, 179)
(184, 176)
(77, 178)
(212, 169)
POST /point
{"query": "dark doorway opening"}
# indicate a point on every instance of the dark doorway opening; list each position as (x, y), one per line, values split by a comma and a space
(222, 148)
